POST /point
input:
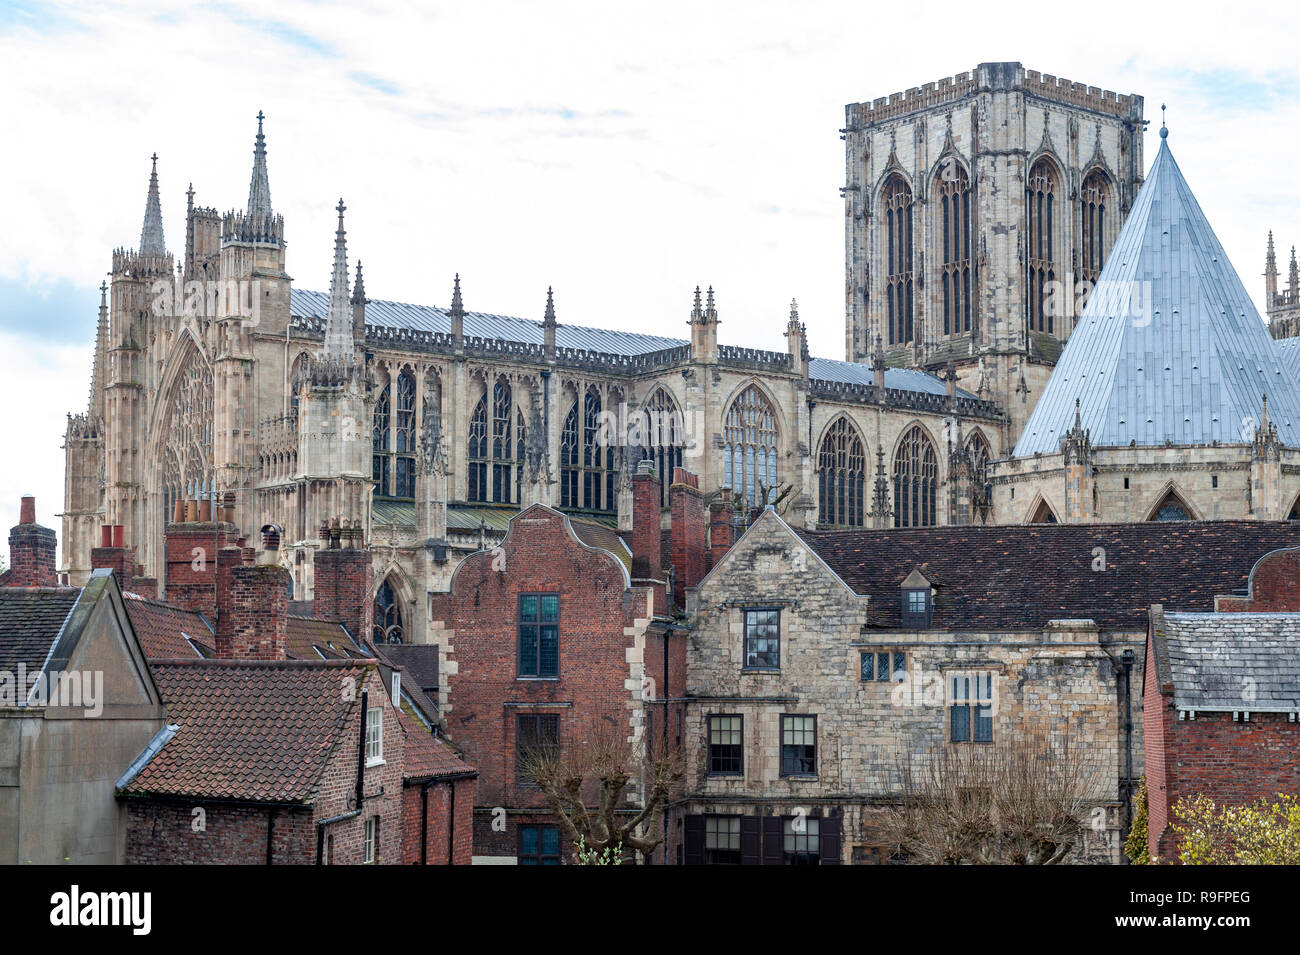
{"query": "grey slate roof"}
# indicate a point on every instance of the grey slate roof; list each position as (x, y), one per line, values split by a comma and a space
(901, 379)
(307, 304)
(427, 318)
(31, 619)
(1234, 661)
(1191, 365)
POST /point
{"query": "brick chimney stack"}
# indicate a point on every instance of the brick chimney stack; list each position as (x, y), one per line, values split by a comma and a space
(647, 535)
(191, 551)
(32, 550)
(113, 554)
(252, 604)
(722, 519)
(344, 579)
(687, 532)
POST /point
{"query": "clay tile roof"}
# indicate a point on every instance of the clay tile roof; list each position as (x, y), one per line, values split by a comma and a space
(248, 730)
(1018, 577)
(163, 629)
(1234, 661)
(426, 756)
(30, 621)
(308, 638)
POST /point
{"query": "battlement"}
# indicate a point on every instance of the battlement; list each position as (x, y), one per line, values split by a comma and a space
(82, 427)
(127, 263)
(1078, 94)
(1010, 75)
(257, 228)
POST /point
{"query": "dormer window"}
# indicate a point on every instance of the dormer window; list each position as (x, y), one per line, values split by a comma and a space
(918, 601)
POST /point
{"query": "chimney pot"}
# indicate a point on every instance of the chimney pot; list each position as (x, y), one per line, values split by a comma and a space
(191, 512)
(119, 535)
(27, 510)
(205, 510)
(178, 512)
(105, 535)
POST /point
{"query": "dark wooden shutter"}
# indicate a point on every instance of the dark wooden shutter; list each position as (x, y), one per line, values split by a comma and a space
(829, 840)
(773, 840)
(694, 839)
(751, 841)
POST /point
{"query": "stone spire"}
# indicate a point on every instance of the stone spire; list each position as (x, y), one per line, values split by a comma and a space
(259, 187)
(338, 324)
(359, 307)
(457, 312)
(880, 493)
(1292, 274)
(1270, 271)
(549, 324)
(151, 235)
(358, 286)
(100, 365)
(796, 335)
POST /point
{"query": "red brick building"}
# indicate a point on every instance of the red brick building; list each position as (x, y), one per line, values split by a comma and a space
(1221, 699)
(561, 633)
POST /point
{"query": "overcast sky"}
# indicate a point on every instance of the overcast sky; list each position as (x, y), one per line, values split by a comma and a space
(621, 152)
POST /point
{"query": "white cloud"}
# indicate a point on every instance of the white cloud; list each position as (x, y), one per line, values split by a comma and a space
(621, 152)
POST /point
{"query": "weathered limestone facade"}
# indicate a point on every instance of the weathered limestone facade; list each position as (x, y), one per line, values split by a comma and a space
(1057, 682)
(971, 166)
(216, 381)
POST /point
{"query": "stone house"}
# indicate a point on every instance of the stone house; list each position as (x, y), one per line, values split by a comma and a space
(820, 661)
(78, 702)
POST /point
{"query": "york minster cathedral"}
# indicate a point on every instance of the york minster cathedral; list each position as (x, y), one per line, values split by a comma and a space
(1038, 328)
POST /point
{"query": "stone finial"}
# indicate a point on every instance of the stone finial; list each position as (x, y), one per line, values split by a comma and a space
(1293, 274)
(710, 313)
(151, 234)
(359, 288)
(697, 312)
(549, 318)
(457, 311)
(338, 321)
(259, 187)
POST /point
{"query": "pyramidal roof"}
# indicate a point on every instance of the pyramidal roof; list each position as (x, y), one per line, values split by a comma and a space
(1170, 346)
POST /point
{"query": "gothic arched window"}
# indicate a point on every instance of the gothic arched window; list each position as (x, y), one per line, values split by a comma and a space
(916, 480)
(588, 476)
(979, 452)
(187, 472)
(393, 440)
(954, 247)
(1094, 198)
(749, 446)
(841, 475)
(1040, 215)
(662, 438)
(388, 615)
(496, 447)
(896, 218)
(1171, 508)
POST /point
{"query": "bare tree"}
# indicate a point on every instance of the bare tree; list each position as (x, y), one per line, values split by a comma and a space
(1016, 803)
(587, 785)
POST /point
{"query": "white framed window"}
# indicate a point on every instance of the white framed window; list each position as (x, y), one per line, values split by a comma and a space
(372, 840)
(374, 736)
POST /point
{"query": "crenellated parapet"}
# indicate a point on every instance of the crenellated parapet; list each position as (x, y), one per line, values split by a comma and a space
(255, 228)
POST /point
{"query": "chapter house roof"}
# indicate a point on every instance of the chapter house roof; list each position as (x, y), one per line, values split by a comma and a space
(1019, 577)
(1170, 346)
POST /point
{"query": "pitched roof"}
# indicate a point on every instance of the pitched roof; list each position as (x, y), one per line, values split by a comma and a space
(308, 304)
(419, 660)
(1018, 577)
(165, 631)
(248, 730)
(1169, 346)
(426, 756)
(308, 638)
(1233, 661)
(30, 621)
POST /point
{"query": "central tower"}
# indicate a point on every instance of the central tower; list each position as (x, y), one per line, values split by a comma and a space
(977, 210)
